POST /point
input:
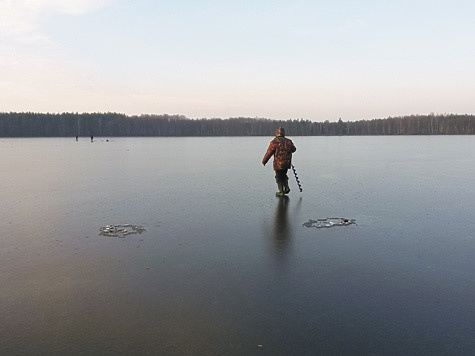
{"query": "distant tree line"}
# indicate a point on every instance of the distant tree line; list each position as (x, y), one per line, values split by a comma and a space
(113, 124)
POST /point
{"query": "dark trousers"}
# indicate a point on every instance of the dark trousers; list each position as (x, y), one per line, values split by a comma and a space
(281, 176)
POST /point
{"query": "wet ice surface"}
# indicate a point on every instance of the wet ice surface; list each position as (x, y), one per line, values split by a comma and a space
(225, 267)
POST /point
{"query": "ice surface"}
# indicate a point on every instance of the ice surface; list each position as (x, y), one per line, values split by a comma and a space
(225, 267)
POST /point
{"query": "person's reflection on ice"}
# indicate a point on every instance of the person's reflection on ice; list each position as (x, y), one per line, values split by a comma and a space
(282, 226)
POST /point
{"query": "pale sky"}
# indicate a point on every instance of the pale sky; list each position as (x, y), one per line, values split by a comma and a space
(316, 60)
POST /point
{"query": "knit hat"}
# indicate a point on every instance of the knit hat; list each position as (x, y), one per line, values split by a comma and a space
(280, 132)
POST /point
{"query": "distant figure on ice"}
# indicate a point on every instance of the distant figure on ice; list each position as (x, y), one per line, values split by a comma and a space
(281, 148)
(92, 138)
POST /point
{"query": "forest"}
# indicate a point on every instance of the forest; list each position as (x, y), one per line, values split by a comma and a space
(28, 124)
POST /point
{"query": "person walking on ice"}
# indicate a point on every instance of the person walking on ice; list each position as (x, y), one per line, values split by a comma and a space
(281, 148)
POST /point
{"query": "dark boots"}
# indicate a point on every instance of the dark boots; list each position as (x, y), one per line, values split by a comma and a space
(282, 182)
(283, 187)
(286, 186)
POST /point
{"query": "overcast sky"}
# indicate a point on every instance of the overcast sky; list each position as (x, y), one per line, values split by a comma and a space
(308, 59)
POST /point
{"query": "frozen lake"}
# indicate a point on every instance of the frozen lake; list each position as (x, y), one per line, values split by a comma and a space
(224, 266)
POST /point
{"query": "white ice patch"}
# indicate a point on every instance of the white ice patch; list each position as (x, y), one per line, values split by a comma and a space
(120, 230)
(329, 222)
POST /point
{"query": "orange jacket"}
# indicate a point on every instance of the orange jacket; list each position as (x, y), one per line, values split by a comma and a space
(281, 148)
